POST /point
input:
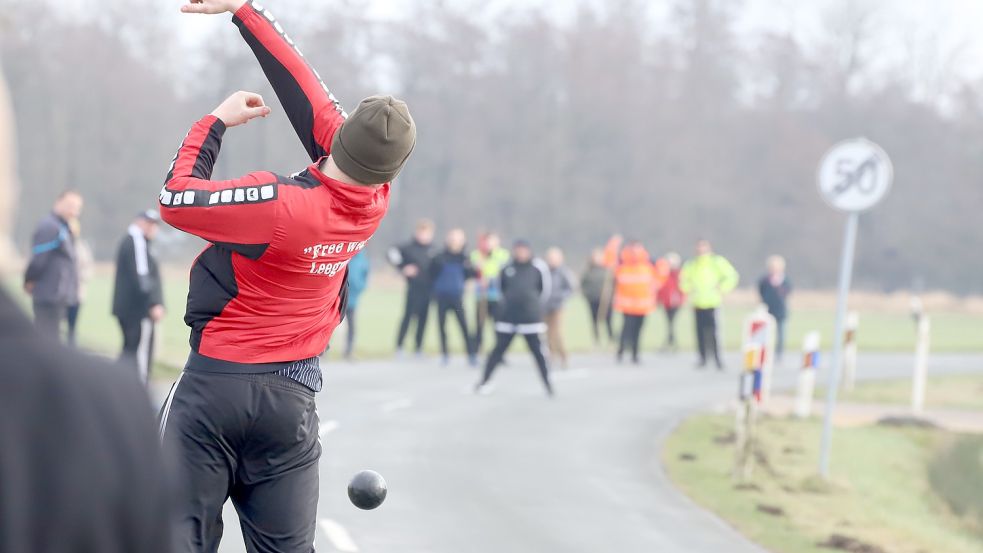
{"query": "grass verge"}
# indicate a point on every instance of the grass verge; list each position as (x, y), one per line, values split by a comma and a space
(880, 500)
(963, 392)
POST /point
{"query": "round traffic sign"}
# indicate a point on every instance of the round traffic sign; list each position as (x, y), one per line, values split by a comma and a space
(855, 175)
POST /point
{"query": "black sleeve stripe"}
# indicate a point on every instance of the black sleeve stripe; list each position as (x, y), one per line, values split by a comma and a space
(208, 153)
(241, 195)
(288, 90)
(290, 94)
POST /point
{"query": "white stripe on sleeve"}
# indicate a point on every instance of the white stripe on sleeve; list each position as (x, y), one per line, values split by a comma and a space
(139, 250)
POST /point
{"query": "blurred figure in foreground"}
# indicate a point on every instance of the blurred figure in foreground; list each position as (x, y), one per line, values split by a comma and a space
(138, 296)
(86, 262)
(358, 279)
(81, 471)
(595, 285)
(413, 261)
(525, 287)
(705, 279)
(52, 278)
(635, 285)
(488, 259)
(562, 287)
(671, 298)
(774, 289)
(450, 271)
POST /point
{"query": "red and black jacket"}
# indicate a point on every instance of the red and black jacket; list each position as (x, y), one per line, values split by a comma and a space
(270, 287)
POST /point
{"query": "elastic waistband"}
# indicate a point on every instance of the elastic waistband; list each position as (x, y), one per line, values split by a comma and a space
(201, 363)
(269, 380)
(277, 381)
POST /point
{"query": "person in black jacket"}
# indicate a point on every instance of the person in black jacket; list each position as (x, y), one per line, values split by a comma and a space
(774, 289)
(52, 277)
(525, 286)
(450, 270)
(82, 470)
(413, 261)
(138, 297)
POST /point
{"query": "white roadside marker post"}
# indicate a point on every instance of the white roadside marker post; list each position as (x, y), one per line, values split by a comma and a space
(760, 329)
(749, 396)
(807, 376)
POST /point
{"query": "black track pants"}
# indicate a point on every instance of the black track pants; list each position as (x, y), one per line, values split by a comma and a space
(251, 437)
(455, 306)
(502, 342)
(706, 335)
(138, 346)
(671, 326)
(417, 307)
(595, 311)
(631, 335)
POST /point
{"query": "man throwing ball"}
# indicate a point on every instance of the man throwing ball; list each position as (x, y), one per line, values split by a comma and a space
(268, 291)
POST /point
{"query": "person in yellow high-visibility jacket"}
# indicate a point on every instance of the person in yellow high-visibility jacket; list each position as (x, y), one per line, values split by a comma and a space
(705, 279)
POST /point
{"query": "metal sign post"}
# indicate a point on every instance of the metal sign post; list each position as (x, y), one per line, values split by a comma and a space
(853, 177)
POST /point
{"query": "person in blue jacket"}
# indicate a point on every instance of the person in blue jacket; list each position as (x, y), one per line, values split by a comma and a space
(358, 279)
(52, 277)
(450, 270)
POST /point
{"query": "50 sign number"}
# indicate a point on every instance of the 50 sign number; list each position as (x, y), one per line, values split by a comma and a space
(855, 175)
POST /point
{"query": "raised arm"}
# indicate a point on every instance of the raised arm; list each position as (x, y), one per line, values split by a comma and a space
(313, 111)
(239, 214)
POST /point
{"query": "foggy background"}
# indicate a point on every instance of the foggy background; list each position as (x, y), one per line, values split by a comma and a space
(561, 122)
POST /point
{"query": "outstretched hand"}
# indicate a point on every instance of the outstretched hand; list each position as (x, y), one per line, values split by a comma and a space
(212, 6)
(240, 108)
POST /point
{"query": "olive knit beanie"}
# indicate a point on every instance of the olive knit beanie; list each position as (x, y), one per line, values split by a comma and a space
(374, 142)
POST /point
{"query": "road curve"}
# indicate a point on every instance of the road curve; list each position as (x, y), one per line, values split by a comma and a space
(516, 471)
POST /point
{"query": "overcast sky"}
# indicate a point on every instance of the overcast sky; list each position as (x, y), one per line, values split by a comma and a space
(950, 26)
(957, 24)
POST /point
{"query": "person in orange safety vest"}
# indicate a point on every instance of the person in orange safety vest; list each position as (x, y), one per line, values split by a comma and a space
(636, 282)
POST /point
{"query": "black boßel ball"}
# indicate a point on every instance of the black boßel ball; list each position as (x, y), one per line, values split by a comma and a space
(367, 490)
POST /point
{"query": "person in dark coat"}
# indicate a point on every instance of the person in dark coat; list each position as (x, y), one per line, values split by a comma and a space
(138, 296)
(413, 261)
(82, 470)
(450, 270)
(358, 279)
(525, 286)
(596, 285)
(774, 289)
(52, 278)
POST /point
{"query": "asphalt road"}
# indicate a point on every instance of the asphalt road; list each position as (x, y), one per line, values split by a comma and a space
(515, 471)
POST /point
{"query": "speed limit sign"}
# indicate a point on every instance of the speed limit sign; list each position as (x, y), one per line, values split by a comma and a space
(855, 175)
